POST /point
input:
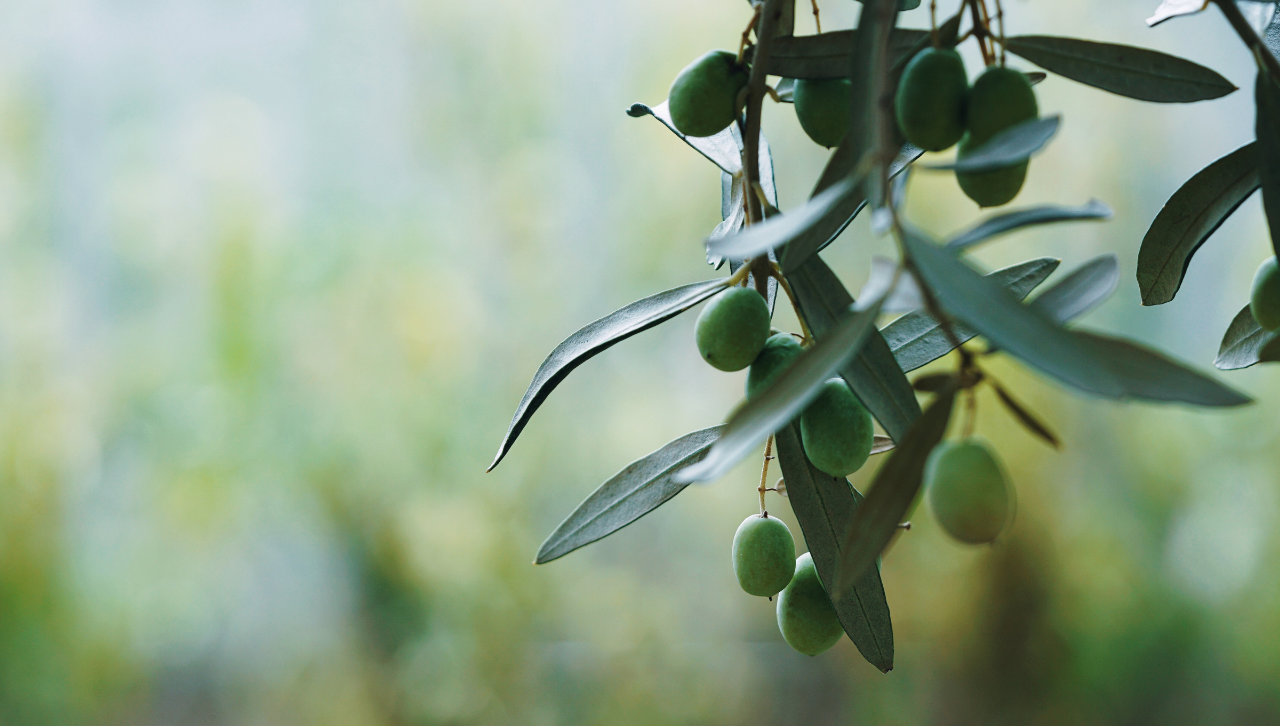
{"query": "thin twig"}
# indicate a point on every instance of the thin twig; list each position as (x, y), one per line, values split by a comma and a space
(776, 274)
(764, 474)
(817, 22)
(769, 13)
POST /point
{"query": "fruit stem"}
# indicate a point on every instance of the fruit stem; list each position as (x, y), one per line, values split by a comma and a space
(746, 34)
(970, 413)
(1000, 20)
(768, 14)
(980, 31)
(1250, 37)
(764, 474)
(737, 277)
(776, 274)
(933, 24)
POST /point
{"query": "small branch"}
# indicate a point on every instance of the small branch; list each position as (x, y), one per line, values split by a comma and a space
(795, 306)
(769, 13)
(1250, 37)
(817, 21)
(764, 473)
(980, 31)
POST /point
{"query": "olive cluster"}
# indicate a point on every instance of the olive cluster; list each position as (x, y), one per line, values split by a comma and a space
(937, 109)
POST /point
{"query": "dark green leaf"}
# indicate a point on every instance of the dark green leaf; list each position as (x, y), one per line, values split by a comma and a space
(1243, 343)
(916, 339)
(1140, 73)
(785, 398)
(1103, 366)
(1193, 213)
(628, 495)
(828, 55)
(596, 337)
(894, 488)
(1009, 147)
(948, 34)
(719, 149)
(1017, 219)
(1025, 417)
(1267, 98)
(819, 218)
(1085, 288)
(824, 506)
(873, 374)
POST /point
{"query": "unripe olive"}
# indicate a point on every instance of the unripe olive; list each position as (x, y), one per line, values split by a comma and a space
(906, 4)
(778, 353)
(732, 328)
(967, 490)
(931, 99)
(703, 97)
(764, 555)
(836, 430)
(1000, 98)
(806, 617)
(823, 107)
(1265, 301)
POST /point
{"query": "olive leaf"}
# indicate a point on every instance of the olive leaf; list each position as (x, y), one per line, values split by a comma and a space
(894, 488)
(822, 217)
(720, 149)
(785, 397)
(1019, 218)
(1011, 146)
(916, 338)
(1175, 8)
(641, 487)
(1025, 417)
(1107, 367)
(881, 444)
(597, 337)
(873, 374)
(1243, 342)
(1083, 289)
(827, 55)
(824, 505)
(1191, 215)
(1267, 128)
(1140, 73)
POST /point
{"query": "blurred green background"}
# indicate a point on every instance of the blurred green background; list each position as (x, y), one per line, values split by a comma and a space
(274, 275)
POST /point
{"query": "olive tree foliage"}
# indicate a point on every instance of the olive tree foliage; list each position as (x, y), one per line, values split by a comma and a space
(949, 304)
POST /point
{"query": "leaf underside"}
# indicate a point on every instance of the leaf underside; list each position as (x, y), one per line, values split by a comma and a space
(1010, 221)
(1012, 146)
(1139, 73)
(1191, 215)
(640, 488)
(824, 505)
(596, 338)
(1243, 342)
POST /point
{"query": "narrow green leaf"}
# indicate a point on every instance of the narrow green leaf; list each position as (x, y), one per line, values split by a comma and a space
(820, 217)
(1140, 73)
(1024, 416)
(1243, 343)
(873, 374)
(894, 488)
(1267, 128)
(824, 506)
(1085, 288)
(719, 149)
(640, 488)
(827, 55)
(785, 398)
(1107, 367)
(1011, 146)
(597, 337)
(1019, 218)
(916, 339)
(1191, 215)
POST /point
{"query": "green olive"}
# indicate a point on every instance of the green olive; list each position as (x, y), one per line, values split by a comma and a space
(1000, 98)
(703, 97)
(823, 107)
(732, 328)
(1265, 300)
(806, 617)
(967, 490)
(836, 430)
(931, 99)
(764, 555)
(779, 352)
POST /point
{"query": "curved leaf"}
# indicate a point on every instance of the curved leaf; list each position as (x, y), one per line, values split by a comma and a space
(640, 488)
(1140, 73)
(1103, 366)
(873, 374)
(1191, 215)
(824, 506)
(895, 486)
(822, 217)
(1011, 146)
(1243, 343)
(1267, 128)
(828, 55)
(785, 398)
(916, 339)
(1017, 219)
(1174, 8)
(1082, 290)
(720, 149)
(599, 336)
